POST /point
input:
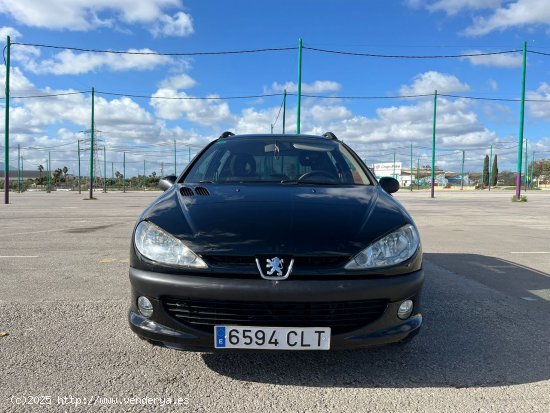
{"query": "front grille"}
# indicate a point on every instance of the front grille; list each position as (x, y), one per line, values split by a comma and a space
(341, 317)
(299, 261)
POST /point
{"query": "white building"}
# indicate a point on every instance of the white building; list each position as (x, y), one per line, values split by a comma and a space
(393, 170)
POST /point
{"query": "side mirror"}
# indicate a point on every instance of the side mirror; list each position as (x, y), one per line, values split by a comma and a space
(388, 184)
(167, 182)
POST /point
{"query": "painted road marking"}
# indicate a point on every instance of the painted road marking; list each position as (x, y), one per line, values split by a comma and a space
(36, 232)
(544, 294)
(18, 256)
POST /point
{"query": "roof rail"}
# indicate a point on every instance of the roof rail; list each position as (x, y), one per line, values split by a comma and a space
(226, 134)
(330, 135)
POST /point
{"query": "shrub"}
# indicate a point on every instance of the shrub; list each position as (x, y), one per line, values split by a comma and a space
(522, 198)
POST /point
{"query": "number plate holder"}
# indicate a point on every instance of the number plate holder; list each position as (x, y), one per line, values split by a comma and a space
(271, 338)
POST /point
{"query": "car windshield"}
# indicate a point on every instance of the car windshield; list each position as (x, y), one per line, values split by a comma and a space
(278, 160)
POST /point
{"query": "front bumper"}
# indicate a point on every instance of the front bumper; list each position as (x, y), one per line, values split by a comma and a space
(162, 329)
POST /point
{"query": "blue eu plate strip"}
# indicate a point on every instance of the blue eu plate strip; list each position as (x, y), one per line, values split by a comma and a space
(220, 336)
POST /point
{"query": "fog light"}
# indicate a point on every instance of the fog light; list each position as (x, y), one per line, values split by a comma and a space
(145, 306)
(405, 309)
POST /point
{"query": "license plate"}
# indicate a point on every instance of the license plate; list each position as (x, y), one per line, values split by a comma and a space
(272, 338)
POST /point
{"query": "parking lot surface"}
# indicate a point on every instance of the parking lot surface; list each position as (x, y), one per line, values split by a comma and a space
(485, 344)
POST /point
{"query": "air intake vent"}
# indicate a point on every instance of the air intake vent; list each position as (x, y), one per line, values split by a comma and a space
(186, 191)
(200, 190)
(340, 316)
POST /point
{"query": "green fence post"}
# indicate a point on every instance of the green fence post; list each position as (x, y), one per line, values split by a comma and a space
(175, 159)
(490, 166)
(418, 174)
(526, 165)
(299, 99)
(433, 145)
(284, 111)
(532, 168)
(91, 183)
(49, 172)
(104, 171)
(411, 184)
(7, 127)
(521, 121)
(124, 172)
(19, 168)
(462, 174)
(78, 147)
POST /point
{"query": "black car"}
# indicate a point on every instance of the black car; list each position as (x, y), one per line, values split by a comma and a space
(276, 242)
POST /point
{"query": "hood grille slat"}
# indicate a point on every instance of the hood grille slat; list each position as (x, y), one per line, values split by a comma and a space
(202, 191)
(185, 191)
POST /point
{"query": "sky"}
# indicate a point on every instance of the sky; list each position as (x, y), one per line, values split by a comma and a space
(358, 96)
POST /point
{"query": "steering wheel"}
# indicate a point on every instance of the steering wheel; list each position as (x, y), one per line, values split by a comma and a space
(318, 173)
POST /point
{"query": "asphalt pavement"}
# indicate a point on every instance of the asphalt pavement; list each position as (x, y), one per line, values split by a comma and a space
(485, 343)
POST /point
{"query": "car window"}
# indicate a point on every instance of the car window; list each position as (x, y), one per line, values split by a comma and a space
(277, 160)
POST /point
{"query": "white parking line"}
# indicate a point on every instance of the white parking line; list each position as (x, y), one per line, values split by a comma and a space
(35, 232)
(18, 256)
(544, 294)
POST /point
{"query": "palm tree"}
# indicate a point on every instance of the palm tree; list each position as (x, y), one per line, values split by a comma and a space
(40, 170)
(56, 174)
(65, 170)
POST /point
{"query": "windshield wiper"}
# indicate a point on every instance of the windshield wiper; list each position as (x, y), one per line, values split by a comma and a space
(205, 181)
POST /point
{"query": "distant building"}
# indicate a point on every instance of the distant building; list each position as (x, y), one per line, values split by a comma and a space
(387, 169)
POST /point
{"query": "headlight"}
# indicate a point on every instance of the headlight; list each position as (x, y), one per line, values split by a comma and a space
(157, 245)
(392, 249)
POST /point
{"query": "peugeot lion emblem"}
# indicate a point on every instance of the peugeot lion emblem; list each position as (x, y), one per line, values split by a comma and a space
(274, 268)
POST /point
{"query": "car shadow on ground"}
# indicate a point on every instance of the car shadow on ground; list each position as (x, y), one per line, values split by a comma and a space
(473, 336)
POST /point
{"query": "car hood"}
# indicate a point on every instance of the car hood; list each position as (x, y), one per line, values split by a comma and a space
(252, 219)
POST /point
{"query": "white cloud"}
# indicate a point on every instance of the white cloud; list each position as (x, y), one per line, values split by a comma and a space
(319, 86)
(328, 113)
(181, 81)
(32, 118)
(539, 110)
(258, 121)
(9, 31)
(457, 124)
(454, 6)
(427, 82)
(179, 25)
(68, 62)
(204, 112)
(85, 15)
(519, 13)
(511, 60)
(19, 84)
(493, 85)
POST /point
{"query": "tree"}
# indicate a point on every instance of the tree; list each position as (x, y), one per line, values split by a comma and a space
(65, 170)
(494, 172)
(485, 180)
(40, 170)
(542, 168)
(56, 174)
